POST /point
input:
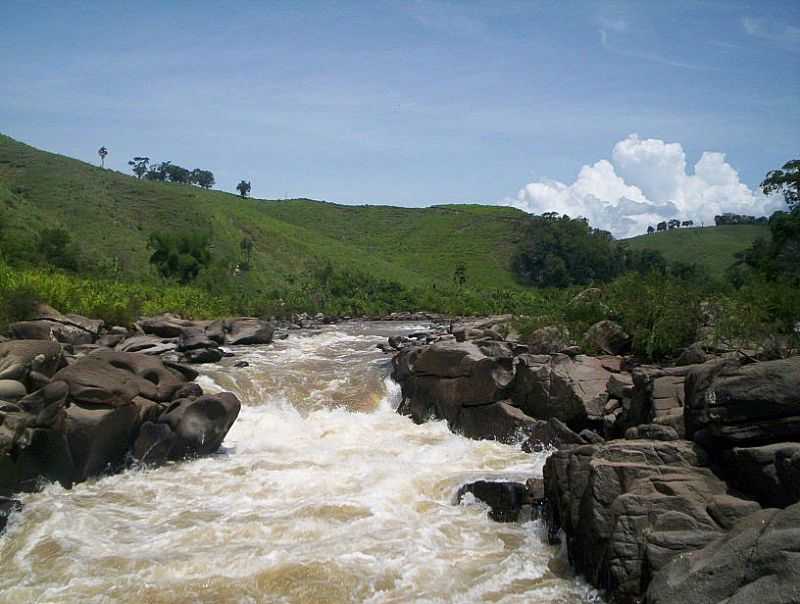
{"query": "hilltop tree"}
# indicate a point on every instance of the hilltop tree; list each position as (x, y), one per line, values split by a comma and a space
(244, 188)
(178, 174)
(102, 152)
(139, 166)
(786, 181)
(157, 172)
(202, 178)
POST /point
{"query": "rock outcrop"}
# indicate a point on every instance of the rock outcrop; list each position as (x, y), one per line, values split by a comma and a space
(744, 405)
(757, 561)
(693, 450)
(89, 417)
(629, 507)
(571, 389)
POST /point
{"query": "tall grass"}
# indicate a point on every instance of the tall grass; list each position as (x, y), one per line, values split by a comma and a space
(117, 303)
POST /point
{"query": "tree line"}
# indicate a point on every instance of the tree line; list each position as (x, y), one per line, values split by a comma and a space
(166, 171)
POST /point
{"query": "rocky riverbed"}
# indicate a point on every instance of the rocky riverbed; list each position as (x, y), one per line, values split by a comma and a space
(668, 484)
(319, 490)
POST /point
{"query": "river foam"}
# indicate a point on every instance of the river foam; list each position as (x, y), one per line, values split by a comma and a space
(321, 493)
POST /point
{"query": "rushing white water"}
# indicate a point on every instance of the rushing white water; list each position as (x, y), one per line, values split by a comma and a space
(322, 493)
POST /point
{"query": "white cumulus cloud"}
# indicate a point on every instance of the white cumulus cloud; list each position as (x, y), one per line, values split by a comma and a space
(645, 182)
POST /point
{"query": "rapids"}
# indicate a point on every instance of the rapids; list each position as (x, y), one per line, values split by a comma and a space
(321, 493)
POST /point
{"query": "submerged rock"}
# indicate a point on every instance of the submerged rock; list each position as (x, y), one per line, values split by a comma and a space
(506, 500)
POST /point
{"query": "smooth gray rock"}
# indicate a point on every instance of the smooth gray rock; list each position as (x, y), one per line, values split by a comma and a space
(758, 561)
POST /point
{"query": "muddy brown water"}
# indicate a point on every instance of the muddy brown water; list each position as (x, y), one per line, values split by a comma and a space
(321, 494)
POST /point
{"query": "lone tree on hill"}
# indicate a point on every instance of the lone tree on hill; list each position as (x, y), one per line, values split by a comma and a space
(787, 181)
(244, 188)
(102, 152)
(139, 165)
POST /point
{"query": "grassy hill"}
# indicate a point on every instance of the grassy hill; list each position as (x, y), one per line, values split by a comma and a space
(111, 215)
(712, 247)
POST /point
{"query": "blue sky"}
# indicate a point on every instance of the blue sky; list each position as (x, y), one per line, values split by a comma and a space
(402, 102)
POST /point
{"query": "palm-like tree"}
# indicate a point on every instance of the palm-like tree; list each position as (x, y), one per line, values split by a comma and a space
(102, 152)
(244, 188)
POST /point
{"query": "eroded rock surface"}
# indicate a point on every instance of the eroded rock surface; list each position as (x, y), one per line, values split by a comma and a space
(629, 507)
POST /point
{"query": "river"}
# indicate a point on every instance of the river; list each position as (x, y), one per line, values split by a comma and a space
(320, 494)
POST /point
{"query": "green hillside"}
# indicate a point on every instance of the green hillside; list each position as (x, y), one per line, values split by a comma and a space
(712, 247)
(111, 215)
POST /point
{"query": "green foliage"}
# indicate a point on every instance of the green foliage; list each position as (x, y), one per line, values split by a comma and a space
(662, 314)
(786, 181)
(202, 178)
(139, 166)
(562, 252)
(57, 248)
(775, 258)
(114, 302)
(180, 256)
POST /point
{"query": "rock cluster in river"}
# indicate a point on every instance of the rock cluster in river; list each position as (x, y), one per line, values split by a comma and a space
(661, 473)
(78, 400)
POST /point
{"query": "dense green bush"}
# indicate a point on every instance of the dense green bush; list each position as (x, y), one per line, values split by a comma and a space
(57, 248)
(559, 251)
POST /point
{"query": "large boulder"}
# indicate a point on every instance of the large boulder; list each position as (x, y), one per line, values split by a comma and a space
(48, 324)
(168, 325)
(246, 330)
(506, 499)
(608, 337)
(657, 397)
(762, 472)
(12, 390)
(629, 507)
(548, 340)
(441, 379)
(99, 437)
(757, 561)
(152, 345)
(113, 379)
(572, 389)
(30, 362)
(32, 443)
(744, 405)
(190, 427)
(499, 421)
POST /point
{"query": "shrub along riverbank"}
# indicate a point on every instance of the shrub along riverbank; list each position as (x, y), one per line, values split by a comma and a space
(662, 313)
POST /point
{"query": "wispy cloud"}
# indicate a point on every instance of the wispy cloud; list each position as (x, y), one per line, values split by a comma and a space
(446, 18)
(785, 36)
(619, 28)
